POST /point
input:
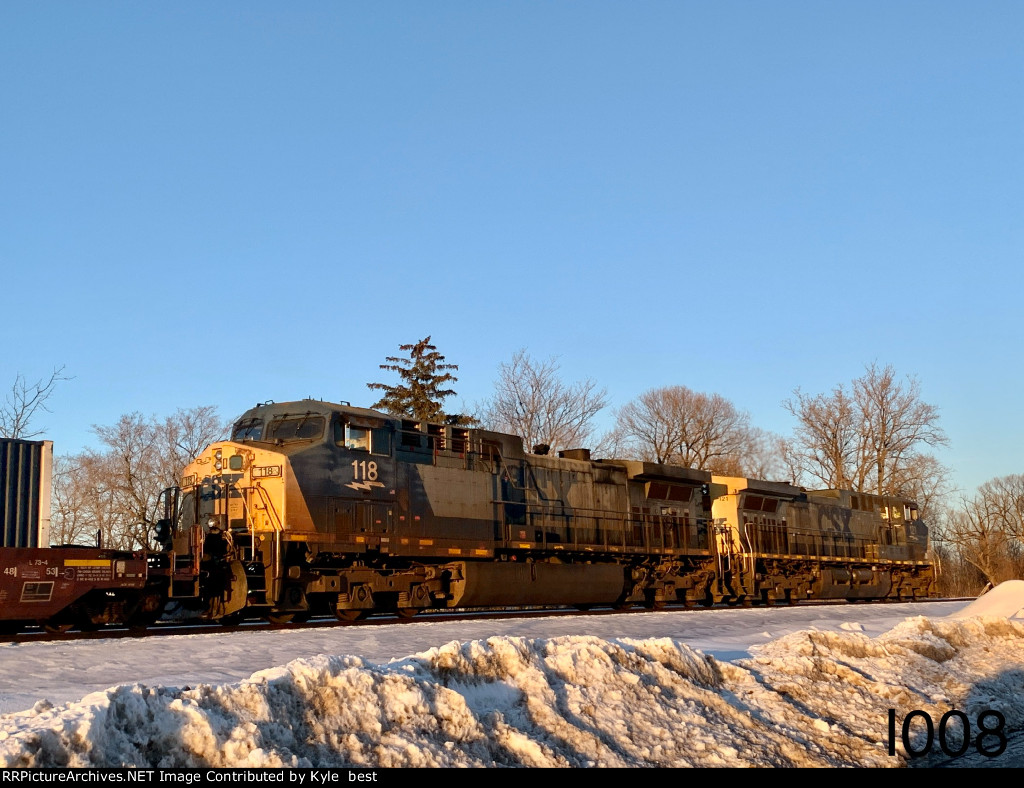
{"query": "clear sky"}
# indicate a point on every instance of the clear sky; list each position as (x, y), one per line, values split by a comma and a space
(224, 203)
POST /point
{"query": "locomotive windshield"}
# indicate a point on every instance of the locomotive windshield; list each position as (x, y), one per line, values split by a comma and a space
(247, 430)
(294, 428)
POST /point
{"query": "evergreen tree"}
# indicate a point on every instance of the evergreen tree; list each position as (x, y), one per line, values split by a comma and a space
(422, 373)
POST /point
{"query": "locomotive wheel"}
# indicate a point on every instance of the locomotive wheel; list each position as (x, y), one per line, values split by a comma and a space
(146, 612)
(407, 612)
(622, 607)
(351, 615)
(141, 622)
(279, 619)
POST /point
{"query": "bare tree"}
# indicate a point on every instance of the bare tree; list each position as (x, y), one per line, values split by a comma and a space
(531, 401)
(71, 521)
(868, 437)
(23, 403)
(954, 576)
(677, 425)
(925, 480)
(113, 490)
(986, 530)
(132, 466)
(763, 457)
(84, 502)
(653, 425)
(896, 424)
(1002, 500)
(827, 445)
(186, 433)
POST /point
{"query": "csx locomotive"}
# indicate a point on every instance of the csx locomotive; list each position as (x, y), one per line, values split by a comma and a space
(316, 507)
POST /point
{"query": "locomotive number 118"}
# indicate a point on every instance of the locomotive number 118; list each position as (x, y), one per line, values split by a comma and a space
(364, 471)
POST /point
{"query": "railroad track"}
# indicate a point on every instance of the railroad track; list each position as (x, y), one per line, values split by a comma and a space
(164, 629)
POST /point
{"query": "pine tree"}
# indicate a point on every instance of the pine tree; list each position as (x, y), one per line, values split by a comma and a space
(423, 373)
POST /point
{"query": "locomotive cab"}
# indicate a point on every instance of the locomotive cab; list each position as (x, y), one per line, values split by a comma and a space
(220, 522)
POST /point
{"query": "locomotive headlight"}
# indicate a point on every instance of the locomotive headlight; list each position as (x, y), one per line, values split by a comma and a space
(217, 463)
(212, 522)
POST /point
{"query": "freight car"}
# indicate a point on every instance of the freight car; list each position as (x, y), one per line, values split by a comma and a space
(324, 507)
(76, 586)
(26, 468)
(64, 586)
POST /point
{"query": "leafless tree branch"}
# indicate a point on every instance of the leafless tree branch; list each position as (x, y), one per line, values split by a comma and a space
(23, 403)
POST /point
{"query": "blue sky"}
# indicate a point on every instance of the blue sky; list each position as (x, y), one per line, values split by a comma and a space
(226, 203)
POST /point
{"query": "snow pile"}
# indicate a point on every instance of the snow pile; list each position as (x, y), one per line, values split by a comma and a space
(1006, 599)
(810, 698)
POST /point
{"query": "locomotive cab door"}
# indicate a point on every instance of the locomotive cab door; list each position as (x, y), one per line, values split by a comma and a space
(369, 475)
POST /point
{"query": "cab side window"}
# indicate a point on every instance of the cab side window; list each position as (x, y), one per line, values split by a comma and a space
(357, 438)
(375, 440)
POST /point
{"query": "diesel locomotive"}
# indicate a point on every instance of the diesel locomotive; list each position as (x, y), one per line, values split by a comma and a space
(314, 507)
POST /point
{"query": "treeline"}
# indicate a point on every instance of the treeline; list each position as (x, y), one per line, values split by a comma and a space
(109, 495)
(874, 434)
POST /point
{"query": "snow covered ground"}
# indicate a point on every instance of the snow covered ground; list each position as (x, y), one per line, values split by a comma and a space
(804, 686)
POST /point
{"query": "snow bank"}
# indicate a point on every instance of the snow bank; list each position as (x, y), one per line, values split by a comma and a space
(807, 699)
(1006, 599)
